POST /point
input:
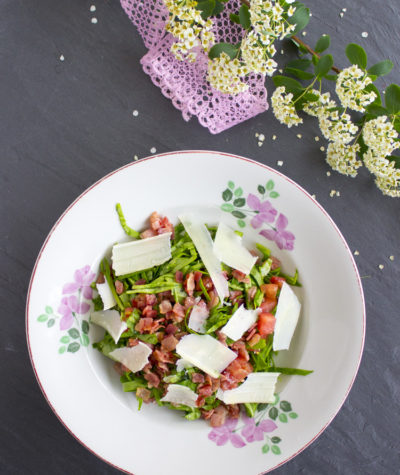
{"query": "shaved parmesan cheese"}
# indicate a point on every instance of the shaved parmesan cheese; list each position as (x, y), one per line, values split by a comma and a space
(202, 240)
(287, 315)
(198, 316)
(179, 394)
(240, 322)
(182, 364)
(206, 353)
(258, 387)
(106, 295)
(229, 249)
(142, 254)
(111, 321)
(134, 358)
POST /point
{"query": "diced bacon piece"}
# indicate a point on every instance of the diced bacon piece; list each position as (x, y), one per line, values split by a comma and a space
(151, 299)
(221, 338)
(254, 339)
(118, 368)
(165, 226)
(149, 312)
(170, 329)
(233, 411)
(169, 343)
(147, 368)
(275, 279)
(251, 334)
(197, 277)
(205, 390)
(179, 276)
(139, 301)
(214, 299)
(165, 307)
(189, 283)
(207, 414)
(219, 416)
(148, 233)
(163, 356)
(155, 221)
(235, 373)
(153, 380)
(240, 348)
(269, 290)
(268, 305)
(167, 295)
(252, 292)
(189, 302)
(132, 342)
(240, 277)
(144, 325)
(162, 368)
(275, 263)
(197, 378)
(140, 282)
(119, 287)
(234, 294)
(178, 312)
(144, 394)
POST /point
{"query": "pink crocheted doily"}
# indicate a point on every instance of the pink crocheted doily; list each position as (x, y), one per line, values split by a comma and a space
(185, 83)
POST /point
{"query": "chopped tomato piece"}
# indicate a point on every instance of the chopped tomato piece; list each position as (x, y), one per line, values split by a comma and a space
(268, 305)
(266, 323)
(270, 290)
(275, 279)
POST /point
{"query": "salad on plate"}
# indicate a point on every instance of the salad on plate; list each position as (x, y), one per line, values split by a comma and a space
(194, 319)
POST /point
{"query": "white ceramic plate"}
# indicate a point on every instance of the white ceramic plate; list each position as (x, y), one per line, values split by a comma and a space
(79, 382)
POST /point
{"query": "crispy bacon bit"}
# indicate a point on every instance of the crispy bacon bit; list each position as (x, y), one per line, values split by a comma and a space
(144, 325)
(218, 417)
(163, 356)
(240, 348)
(275, 263)
(132, 342)
(189, 283)
(178, 312)
(269, 290)
(214, 382)
(147, 234)
(119, 287)
(100, 279)
(151, 299)
(144, 394)
(169, 343)
(221, 338)
(147, 367)
(251, 334)
(275, 279)
(197, 277)
(149, 312)
(268, 305)
(170, 329)
(139, 301)
(254, 339)
(235, 373)
(179, 276)
(189, 302)
(140, 282)
(118, 368)
(252, 292)
(167, 295)
(165, 307)
(197, 377)
(207, 414)
(240, 277)
(234, 294)
(153, 380)
(233, 411)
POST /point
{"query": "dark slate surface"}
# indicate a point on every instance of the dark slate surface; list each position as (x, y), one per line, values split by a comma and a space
(66, 124)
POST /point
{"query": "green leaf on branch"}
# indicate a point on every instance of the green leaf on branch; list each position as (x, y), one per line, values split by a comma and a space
(378, 99)
(376, 110)
(298, 73)
(331, 77)
(244, 17)
(300, 18)
(323, 66)
(290, 84)
(323, 43)
(395, 159)
(302, 64)
(227, 48)
(357, 55)
(382, 68)
(392, 98)
(234, 18)
(219, 8)
(206, 7)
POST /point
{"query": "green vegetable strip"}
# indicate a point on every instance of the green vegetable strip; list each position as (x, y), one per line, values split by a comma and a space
(204, 290)
(296, 371)
(129, 231)
(105, 268)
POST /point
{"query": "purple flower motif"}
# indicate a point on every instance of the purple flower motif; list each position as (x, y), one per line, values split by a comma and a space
(252, 432)
(266, 212)
(283, 238)
(221, 435)
(83, 278)
(69, 305)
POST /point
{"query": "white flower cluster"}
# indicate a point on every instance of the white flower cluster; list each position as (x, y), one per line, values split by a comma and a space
(186, 24)
(269, 22)
(284, 108)
(337, 127)
(225, 75)
(350, 88)
(343, 158)
(381, 138)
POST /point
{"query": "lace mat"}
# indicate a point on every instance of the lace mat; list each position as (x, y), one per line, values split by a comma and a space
(185, 83)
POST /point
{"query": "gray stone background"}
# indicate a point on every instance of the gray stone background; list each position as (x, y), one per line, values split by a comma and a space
(66, 124)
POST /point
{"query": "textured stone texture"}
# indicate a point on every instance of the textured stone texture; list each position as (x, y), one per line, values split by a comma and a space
(66, 124)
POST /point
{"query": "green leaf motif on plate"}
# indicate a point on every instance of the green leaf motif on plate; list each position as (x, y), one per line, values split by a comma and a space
(241, 223)
(231, 185)
(239, 202)
(49, 310)
(228, 207)
(62, 349)
(238, 214)
(293, 415)
(270, 185)
(273, 413)
(274, 194)
(285, 406)
(261, 189)
(238, 192)
(275, 440)
(85, 326)
(65, 339)
(51, 322)
(73, 333)
(283, 417)
(227, 195)
(73, 347)
(265, 448)
(84, 340)
(42, 318)
(275, 450)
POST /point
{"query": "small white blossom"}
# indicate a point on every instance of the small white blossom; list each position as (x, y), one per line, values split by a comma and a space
(350, 88)
(337, 127)
(225, 75)
(380, 136)
(283, 107)
(319, 106)
(343, 158)
(387, 176)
